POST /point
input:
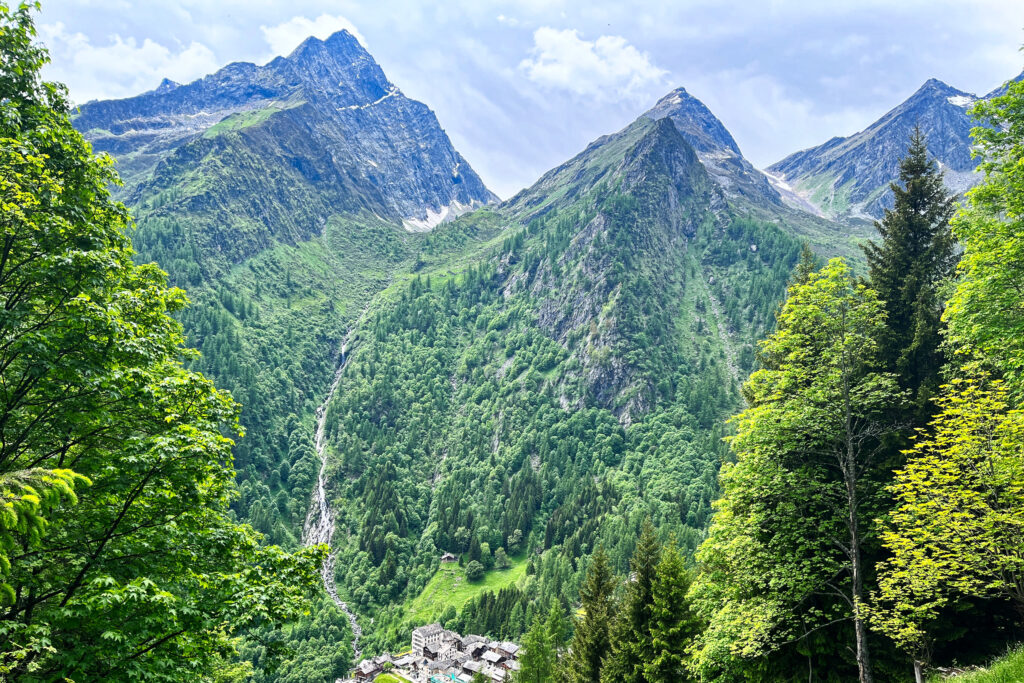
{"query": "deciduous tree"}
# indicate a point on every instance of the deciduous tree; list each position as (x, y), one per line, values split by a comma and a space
(139, 572)
(785, 553)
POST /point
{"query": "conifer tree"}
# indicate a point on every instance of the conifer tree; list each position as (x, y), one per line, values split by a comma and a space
(540, 647)
(915, 256)
(806, 265)
(631, 644)
(475, 551)
(590, 642)
(557, 628)
(673, 623)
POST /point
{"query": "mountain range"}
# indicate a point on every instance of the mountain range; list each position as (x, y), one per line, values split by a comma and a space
(847, 178)
(535, 375)
(344, 129)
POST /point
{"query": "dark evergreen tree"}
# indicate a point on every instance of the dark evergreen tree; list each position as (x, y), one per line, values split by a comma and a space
(673, 623)
(807, 264)
(632, 645)
(590, 642)
(475, 553)
(916, 255)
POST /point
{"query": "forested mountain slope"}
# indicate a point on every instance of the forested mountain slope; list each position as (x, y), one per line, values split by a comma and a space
(537, 376)
(569, 382)
(281, 197)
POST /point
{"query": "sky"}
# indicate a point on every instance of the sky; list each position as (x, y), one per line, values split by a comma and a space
(522, 86)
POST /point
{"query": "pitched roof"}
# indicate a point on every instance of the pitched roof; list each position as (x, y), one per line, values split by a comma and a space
(367, 666)
(429, 629)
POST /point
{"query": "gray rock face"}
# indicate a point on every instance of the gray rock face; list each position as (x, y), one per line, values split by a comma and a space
(715, 147)
(390, 148)
(848, 178)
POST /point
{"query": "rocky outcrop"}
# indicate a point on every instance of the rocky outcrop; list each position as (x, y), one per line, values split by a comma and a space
(648, 193)
(716, 148)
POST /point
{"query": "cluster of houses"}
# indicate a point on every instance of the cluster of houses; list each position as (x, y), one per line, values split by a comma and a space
(442, 656)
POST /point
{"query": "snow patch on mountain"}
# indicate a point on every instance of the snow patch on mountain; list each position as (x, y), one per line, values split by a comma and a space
(961, 100)
(435, 217)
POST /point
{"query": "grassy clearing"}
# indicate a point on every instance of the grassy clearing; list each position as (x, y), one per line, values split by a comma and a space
(449, 587)
(1006, 669)
(244, 119)
(390, 678)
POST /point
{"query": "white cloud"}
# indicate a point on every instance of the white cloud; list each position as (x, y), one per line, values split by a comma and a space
(121, 68)
(757, 108)
(608, 68)
(285, 37)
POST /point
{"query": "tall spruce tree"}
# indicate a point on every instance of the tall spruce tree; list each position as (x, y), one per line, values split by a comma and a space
(673, 622)
(632, 644)
(591, 640)
(917, 253)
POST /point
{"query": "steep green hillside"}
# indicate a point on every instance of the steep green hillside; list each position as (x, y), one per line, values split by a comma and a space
(555, 391)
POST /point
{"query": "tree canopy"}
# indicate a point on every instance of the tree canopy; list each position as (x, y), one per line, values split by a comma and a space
(119, 559)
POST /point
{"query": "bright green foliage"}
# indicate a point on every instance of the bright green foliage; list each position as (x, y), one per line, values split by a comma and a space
(590, 641)
(1006, 669)
(674, 626)
(984, 313)
(784, 554)
(24, 496)
(147, 576)
(541, 647)
(958, 525)
(915, 257)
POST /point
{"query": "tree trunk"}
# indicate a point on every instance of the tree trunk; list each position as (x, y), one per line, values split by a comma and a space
(857, 588)
(848, 466)
(918, 673)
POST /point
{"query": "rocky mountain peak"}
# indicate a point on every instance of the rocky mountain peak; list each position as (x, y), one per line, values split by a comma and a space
(934, 91)
(338, 68)
(849, 177)
(715, 146)
(699, 126)
(326, 111)
(166, 85)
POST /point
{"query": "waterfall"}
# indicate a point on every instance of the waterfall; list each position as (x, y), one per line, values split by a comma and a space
(319, 526)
